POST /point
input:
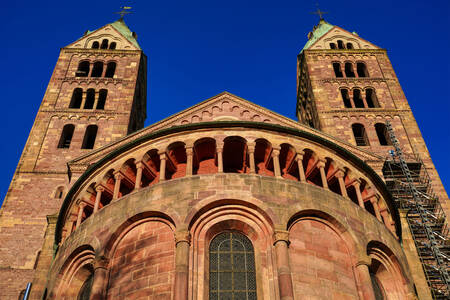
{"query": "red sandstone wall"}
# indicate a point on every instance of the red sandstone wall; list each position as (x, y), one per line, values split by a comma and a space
(318, 258)
(143, 264)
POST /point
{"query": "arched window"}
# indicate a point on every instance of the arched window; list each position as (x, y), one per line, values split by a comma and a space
(231, 267)
(377, 287)
(349, 70)
(359, 132)
(382, 134)
(66, 136)
(102, 99)
(349, 46)
(97, 70)
(89, 137)
(371, 98)
(95, 45)
(112, 46)
(357, 99)
(85, 291)
(59, 193)
(340, 44)
(90, 99)
(77, 97)
(104, 44)
(337, 69)
(332, 46)
(83, 69)
(346, 98)
(361, 69)
(110, 70)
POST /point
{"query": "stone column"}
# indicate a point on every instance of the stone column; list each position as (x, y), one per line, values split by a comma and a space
(118, 177)
(350, 95)
(189, 161)
(357, 185)
(374, 201)
(83, 99)
(162, 166)
(276, 161)
(182, 242)
(219, 157)
(323, 176)
(301, 171)
(100, 279)
(365, 283)
(139, 169)
(340, 176)
(251, 157)
(99, 189)
(281, 245)
(96, 95)
(81, 206)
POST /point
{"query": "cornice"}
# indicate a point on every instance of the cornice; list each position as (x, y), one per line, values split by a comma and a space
(344, 51)
(353, 80)
(71, 111)
(365, 110)
(95, 80)
(106, 52)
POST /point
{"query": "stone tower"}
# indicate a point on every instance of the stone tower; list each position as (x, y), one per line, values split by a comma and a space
(96, 95)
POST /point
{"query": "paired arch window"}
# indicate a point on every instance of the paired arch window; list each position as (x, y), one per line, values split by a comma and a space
(361, 70)
(358, 101)
(383, 136)
(89, 137)
(66, 136)
(84, 69)
(104, 45)
(89, 100)
(359, 132)
(231, 267)
(341, 45)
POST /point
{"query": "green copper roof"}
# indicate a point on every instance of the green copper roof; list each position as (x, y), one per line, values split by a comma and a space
(121, 27)
(318, 31)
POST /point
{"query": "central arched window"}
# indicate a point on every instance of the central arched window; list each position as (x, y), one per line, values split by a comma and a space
(231, 267)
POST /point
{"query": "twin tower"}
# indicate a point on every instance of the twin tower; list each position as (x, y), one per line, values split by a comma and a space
(97, 97)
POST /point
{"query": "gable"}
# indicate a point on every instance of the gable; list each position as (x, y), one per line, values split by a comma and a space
(336, 34)
(116, 32)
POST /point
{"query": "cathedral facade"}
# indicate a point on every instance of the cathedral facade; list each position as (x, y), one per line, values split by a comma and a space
(224, 200)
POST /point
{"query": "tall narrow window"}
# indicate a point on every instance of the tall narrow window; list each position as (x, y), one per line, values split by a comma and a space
(332, 46)
(90, 99)
(349, 46)
(231, 267)
(102, 99)
(97, 70)
(95, 45)
(337, 70)
(346, 98)
(382, 134)
(112, 46)
(110, 70)
(357, 99)
(77, 97)
(89, 137)
(359, 132)
(83, 69)
(104, 44)
(59, 193)
(361, 69)
(349, 70)
(371, 98)
(340, 44)
(66, 136)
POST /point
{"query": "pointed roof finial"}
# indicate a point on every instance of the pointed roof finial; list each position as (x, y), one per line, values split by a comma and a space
(124, 11)
(319, 12)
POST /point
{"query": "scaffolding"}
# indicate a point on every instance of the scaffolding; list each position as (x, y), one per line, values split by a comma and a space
(410, 185)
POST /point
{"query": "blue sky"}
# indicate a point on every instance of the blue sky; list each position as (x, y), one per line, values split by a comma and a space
(197, 49)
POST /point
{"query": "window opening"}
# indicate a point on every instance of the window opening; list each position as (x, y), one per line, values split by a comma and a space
(340, 44)
(349, 70)
(357, 99)
(83, 69)
(346, 98)
(112, 46)
(85, 291)
(332, 46)
(337, 70)
(97, 70)
(377, 288)
(90, 99)
(59, 192)
(95, 45)
(371, 98)
(110, 70)
(77, 96)
(104, 44)
(359, 132)
(349, 46)
(66, 136)
(102, 99)
(89, 137)
(361, 69)
(231, 267)
(382, 134)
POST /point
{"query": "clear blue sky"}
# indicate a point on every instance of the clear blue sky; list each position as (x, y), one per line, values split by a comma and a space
(197, 49)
